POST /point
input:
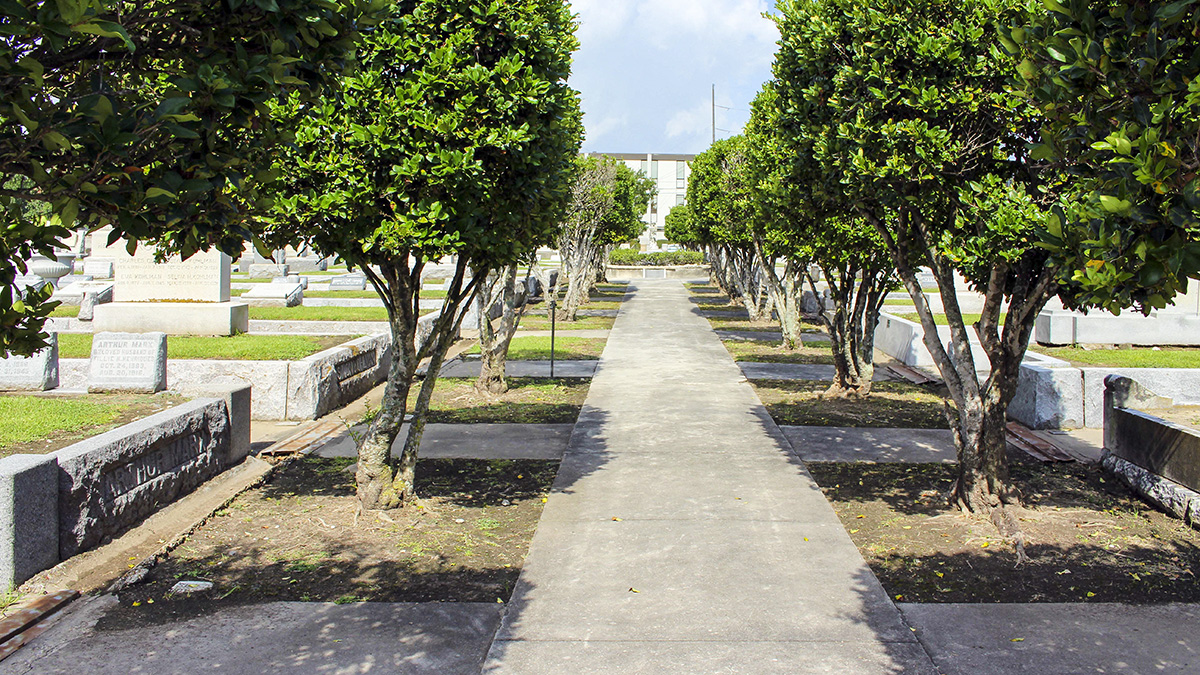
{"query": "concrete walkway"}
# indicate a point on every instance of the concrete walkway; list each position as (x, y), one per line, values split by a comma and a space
(684, 536)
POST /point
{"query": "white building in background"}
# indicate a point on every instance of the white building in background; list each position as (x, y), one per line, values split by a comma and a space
(670, 174)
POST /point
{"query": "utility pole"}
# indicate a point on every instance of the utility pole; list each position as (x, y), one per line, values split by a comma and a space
(714, 113)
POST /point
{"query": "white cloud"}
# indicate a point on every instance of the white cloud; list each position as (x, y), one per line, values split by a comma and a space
(649, 64)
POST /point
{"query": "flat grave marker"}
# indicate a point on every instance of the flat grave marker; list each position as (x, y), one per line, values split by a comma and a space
(31, 373)
(128, 362)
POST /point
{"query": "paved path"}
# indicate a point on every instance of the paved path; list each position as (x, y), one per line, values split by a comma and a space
(684, 536)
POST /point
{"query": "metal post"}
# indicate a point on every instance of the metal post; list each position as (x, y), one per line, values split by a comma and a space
(552, 322)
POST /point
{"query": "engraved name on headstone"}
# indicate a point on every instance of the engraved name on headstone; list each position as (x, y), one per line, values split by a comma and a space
(135, 362)
(352, 282)
(31, 373)
(204, 277)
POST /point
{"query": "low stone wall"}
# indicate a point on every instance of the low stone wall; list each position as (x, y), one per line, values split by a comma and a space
(648, 272)
(60, 504)
(1158, 459)
(1061, 396)
(283, 390)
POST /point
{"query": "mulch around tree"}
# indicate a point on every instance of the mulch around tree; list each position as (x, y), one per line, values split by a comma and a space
(890, 405)
(772, 351)
(302, 537)
(1089, 539)
(529, 400)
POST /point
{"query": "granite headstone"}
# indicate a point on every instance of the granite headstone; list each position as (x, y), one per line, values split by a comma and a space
(128, 362)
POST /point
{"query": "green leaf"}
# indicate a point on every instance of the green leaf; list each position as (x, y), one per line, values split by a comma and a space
(153, 192)
(1114, 204)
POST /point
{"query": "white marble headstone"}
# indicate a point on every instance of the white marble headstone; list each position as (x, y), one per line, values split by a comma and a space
(133, 362)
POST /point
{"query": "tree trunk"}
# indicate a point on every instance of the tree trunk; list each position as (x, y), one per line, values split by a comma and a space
(857, 296)
(785, 293)
(382, 484)
(493, 344)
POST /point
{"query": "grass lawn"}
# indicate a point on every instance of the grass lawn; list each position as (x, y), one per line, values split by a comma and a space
(594, 304)
(770, 351)
(1139, 357)
(530, 348)
(1089, 539)
(303, 313)
(40, 424)
(581, 323)
(898, 301)
(772, 326)
(891, 404)
(236, 347)
(529, 400)
(940, 319)
(70, 311)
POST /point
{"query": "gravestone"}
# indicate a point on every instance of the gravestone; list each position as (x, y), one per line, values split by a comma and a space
(74, 293)
(350, 282)
(204, 277)
(101, 268)
(31, 373)
(275, 295)
(267, 271)
(179, 297)
(128, 362)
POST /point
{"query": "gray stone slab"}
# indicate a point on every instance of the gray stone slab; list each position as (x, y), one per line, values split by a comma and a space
(31, 373)
(279, 637)
(131, 362)
(28, 517)
(1064, 639)
(470, 368)
(474, 441)
(352, 282)
(707, 656)
(755, 370)
(851, 444)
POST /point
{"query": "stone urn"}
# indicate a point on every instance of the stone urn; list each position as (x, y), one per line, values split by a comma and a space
(52, 269)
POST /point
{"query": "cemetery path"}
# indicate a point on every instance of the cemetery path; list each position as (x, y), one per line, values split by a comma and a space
(683, 534)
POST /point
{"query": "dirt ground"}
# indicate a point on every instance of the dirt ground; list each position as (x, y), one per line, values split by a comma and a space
(1089, 538)
(891, 404)
(302, 537)
(1184, 415)
(771, 351)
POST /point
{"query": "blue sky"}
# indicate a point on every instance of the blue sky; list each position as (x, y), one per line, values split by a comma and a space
(646, 68)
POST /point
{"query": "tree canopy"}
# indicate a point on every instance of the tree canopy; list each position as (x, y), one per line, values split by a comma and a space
(153, 118)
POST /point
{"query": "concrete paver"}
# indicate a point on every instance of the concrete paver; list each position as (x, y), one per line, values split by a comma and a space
(280, 637)
(473, 441)
(683, 535)
(860, 444)
(1064, 639)
(470, 368)
(757, 370)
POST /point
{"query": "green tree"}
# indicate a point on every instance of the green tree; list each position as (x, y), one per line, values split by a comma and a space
(799, 217)
(909, 107)
(1119, 85)
(720, 194)
(150, 117)
(607, 202)
(452, 140)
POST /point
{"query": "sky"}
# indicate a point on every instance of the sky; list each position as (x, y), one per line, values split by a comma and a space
(646, 69)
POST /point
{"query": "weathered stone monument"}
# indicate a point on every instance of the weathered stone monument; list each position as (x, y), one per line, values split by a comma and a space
(179, 297)
(31, 373)
(1177, 324)
(128, 362)
(349, 282)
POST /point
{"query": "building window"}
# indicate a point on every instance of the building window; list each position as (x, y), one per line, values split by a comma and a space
(680, 199)
(645, 169)
(654, 170)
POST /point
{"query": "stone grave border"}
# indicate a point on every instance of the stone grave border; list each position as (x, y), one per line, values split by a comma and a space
(57, 505)
(1051, 393)
(283, 390)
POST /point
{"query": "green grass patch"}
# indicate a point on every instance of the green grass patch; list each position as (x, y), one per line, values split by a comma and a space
(581, 323)
(70, 311)
(896, 302)
(232, 348)
(1137, 357)
(368, 294)
(32, 418)
(940, 319)
(531, 348)
(303, 313)
(529, 400)
(891, 404)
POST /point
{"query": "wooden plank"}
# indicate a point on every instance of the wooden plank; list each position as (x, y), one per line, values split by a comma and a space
(1025, 439)
(911, 374)
(20, 626)
(313, 435)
